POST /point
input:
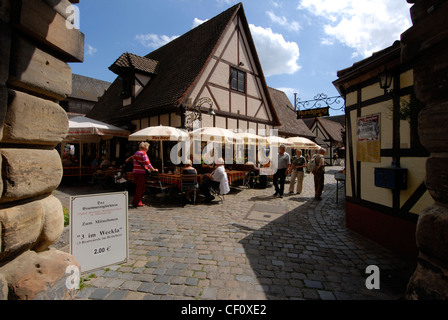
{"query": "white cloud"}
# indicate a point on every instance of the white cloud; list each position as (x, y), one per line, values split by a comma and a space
(154, 41)
(226, 2)
(276, 4)
(327, 41)
(283, 21)
(197, 22)
(277, 56)
(91, 50)
(366, 26)
(290, 93)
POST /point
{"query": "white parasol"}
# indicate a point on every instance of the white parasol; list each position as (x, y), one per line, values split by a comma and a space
(303, 143)
(83, 129)
(251, 138)
(160, 133)
(275, 140)
(214, 134)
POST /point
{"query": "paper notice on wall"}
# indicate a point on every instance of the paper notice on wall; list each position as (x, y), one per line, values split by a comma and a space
(369, 138)
(99, 229)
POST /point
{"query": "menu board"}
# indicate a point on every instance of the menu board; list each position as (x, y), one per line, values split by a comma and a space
(99, 229)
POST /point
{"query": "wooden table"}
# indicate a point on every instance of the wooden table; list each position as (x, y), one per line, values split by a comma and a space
(78, 171)
(175, 179)
(234, 176)
(340, 178)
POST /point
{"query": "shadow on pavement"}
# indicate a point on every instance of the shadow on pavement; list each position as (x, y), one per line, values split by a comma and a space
(302, 255)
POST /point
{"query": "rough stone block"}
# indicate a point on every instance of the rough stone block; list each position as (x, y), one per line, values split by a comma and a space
(432, 128)
(3, 288)
(437, 178)
(32, 120)
(21, 226)
(46, 25)
(3, 107)
(60, 6)
(52, 225)
(430, 30)
(5, 11)
(5, 47)
(35, 70)
(432, 232)
(28, 173)
(428, 283)
(39, 276)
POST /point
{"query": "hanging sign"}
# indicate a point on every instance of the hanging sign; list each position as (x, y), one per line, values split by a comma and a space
(99, 229)
(312, 113)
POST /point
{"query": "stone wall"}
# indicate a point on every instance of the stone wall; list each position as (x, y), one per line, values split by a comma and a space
(35, 46)
(425, 45)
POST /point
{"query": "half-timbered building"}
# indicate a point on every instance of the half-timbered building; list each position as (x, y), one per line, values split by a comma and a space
(216, 60)
(329, 135)
(385, 161)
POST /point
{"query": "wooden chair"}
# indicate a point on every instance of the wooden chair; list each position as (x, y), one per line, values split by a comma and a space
(189, 182)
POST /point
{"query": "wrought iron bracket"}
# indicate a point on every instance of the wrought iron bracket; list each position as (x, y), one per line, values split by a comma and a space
(318, 106)
(193, 112)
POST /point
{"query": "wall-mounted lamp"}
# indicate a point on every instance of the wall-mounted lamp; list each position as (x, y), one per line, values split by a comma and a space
(210, 112)
(385, 79)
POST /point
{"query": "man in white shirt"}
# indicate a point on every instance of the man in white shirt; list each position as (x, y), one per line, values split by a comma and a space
(284, 161)
(216, 179)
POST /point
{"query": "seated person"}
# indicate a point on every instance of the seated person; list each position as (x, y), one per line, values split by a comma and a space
(97, 161)
(188, 169)
(252, 174)
(217, 179)
(66, 161)
(105, 163)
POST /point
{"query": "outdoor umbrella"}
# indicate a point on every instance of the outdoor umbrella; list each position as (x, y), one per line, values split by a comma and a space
(252, 142)
(275, 140)
(83, 129)
(214, 134)
(251, 138)
(303, 143)
(159, 133)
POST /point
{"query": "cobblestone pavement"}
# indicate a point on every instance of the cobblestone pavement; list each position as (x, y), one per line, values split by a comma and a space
(251, 246)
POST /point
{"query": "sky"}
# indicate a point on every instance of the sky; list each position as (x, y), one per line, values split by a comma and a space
(301, 43)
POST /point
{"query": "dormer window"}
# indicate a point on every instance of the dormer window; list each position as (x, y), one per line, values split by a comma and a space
(136, 72)
(127, 89)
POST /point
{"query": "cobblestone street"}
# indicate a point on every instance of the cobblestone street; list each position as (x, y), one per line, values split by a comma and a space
(251, 246)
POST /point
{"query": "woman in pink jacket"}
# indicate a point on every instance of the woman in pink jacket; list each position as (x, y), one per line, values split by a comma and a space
(141, 164)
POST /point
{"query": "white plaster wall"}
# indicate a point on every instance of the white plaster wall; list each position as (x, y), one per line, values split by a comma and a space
(221, 75)
(238, 103)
